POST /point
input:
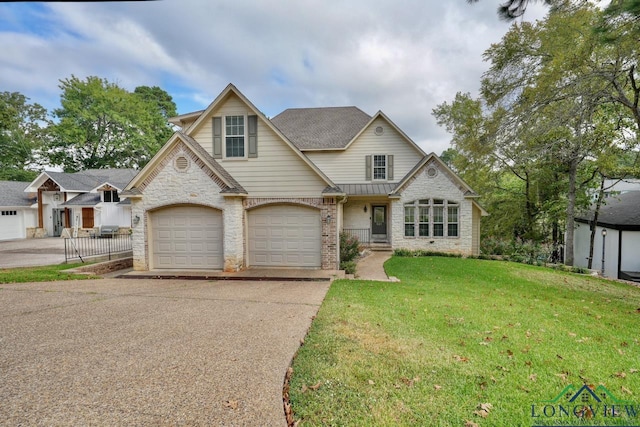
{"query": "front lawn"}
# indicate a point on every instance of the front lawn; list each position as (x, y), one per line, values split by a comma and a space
(45, 273)
(464, 342)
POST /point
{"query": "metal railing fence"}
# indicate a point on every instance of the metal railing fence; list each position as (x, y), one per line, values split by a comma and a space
(363, 234)
(85, 247)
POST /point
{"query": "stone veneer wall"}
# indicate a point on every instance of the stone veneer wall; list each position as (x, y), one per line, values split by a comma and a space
(441, 186)
(327, 206)
(196, 185)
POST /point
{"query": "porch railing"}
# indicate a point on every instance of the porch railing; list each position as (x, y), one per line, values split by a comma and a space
(85, 247)
(363, 234)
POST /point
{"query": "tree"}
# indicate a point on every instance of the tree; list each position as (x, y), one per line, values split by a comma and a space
(165, 105)
(20, 136)
(512, 9)
(102, 125)
(542, 73)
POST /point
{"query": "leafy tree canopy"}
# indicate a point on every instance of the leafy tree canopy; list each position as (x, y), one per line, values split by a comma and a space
(20, 136)
(101, 125)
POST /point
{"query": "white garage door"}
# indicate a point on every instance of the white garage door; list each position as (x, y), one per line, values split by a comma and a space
(11, 226)
(285, 236)
(187, 237)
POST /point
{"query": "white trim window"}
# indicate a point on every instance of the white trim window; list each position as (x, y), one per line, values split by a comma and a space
(431, 220)
(409, 221)
(234, 140)
(379, 167)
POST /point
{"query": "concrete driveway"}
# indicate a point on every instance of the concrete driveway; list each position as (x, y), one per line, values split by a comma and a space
(31, 252)
(150, 352)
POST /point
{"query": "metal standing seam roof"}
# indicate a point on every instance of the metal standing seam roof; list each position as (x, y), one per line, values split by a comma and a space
(321, 128)
(12, 194)
(620, 212)
(381, 189)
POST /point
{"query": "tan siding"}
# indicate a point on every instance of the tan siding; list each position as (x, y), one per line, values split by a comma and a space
(475, 244)
(348, 167)
(277, 171)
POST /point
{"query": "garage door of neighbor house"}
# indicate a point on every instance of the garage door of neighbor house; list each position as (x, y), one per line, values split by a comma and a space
(11, 226)
(187, 237)
(285, 236)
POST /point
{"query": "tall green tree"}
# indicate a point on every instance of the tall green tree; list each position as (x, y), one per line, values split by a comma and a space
(21, 133)
(542, 73)
(165, 105)
(101, 125)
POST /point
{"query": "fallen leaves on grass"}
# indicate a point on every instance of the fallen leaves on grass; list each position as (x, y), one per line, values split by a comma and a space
(633, 370)
(316, 386)
(460, 358)
(483, 410)
(371, 382)
(563, 375)
(468, 423)
(437, 387)
(533, 377)
(625, 390)
(620, 374)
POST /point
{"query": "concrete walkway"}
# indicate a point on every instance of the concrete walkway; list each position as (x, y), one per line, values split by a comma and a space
(150, 352)
(371, 267)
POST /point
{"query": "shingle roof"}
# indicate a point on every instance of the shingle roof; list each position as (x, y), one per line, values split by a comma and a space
(620, 212)
(381, 189)
(321, 128)
(12, 194)
(89, 179)
(84, 199)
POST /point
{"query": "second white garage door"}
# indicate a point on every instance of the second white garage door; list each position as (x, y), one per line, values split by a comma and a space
(187, 237)
(285, 236)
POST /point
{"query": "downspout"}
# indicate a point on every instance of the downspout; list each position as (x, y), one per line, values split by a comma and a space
(339, 226)
(619, 252)
(40, 213)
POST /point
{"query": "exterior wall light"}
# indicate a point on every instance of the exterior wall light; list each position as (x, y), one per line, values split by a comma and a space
(136, 220)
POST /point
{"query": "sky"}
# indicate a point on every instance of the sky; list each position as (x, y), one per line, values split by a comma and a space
(403, 57)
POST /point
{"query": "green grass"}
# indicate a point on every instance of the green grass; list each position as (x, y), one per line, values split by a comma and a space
(456, 333)
(41, 274)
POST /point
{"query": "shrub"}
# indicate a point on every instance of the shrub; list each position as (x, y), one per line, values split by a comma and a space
(422, 253)
(349, 267)
(349, 247)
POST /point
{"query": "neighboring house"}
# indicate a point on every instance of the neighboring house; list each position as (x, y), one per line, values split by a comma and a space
(16, 213)
(84, 200)
(620, 217)
(234, 189)
(620, 186)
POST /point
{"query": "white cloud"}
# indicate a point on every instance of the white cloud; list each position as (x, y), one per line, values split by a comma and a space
(403, 58)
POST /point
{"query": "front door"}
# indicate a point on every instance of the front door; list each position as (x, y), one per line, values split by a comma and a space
(379, 222)
(58, 222)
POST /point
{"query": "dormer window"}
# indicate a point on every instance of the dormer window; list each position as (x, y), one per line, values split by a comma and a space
(110, 196)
